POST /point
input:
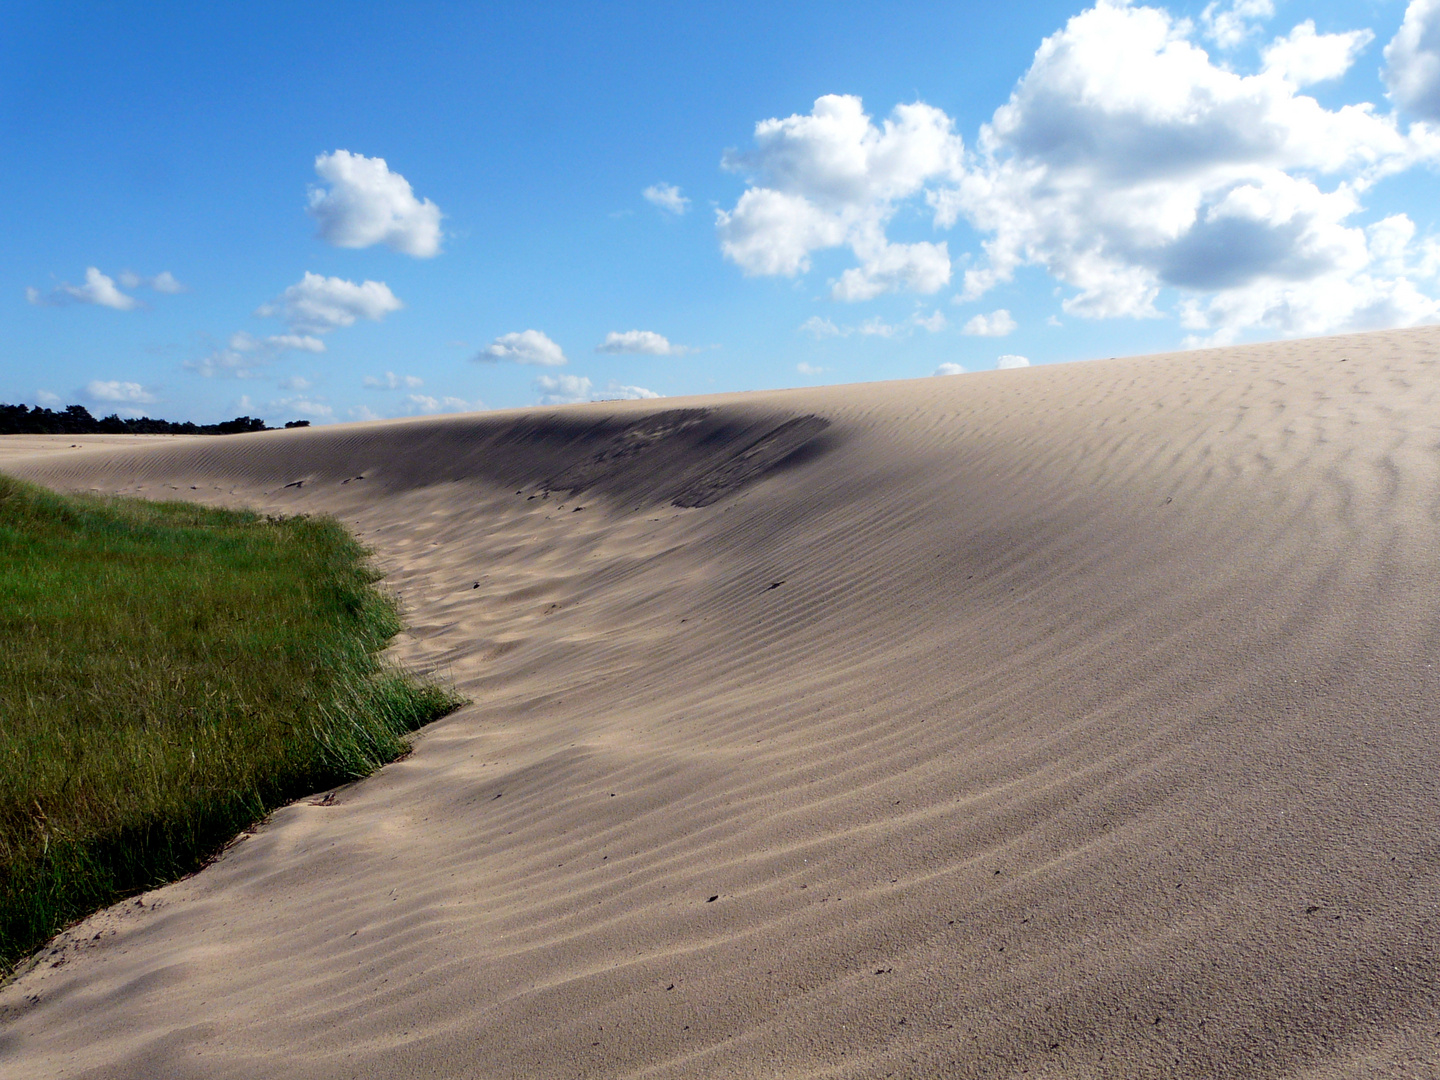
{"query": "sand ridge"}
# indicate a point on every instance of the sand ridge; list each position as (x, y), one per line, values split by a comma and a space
(1069, 721)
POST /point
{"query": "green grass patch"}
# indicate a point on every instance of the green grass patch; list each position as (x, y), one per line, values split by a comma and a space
(169, 674)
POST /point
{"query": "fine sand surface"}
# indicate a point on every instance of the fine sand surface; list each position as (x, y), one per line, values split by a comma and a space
(1071, 721)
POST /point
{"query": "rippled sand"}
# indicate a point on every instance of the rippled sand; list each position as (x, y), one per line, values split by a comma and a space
(1070, 721)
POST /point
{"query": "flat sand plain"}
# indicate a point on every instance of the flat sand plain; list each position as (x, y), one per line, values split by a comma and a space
(1080, 720)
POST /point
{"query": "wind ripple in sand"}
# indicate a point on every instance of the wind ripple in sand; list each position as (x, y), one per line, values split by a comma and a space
(1073, 721)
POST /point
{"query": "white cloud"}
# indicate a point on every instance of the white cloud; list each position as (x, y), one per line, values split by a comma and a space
(646, 342)
(832, 178)
(131, 393)
(1010, 360)
(424, 404)
(274, 343)
(318, 305)
(525, 347)
(391, 381)
(563, 389)
(934, 322)
(809, 369)
(819, 328)
(163, 282)
(667, 197)
(368, 204)
(569, 389)
(615, 391)
(1228, 25)
(48, 399)
(363, 412)
(1126, 161)
(1305, 57)
(99, 289)
(1412, 60)
(245, 355)
(297, 383)
(949, 369)
(875, 326)
(997, 324)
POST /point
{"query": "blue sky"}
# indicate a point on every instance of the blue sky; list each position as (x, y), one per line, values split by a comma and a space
(338, 212)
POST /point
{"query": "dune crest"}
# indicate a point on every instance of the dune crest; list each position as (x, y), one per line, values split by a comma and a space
(1068, 721)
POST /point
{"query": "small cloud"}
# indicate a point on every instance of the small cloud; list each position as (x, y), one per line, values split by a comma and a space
(363, 412)
(275, 343)
(645, 342)
(1229, 24)
(114, 390)
(667, 197)
(876, 327)
(1053, 320)
(809, 369)
(425, 404)
(163, 282)
(367, 204)
(934, 322)
(562, 389)
(315, 408)
(46, 398)
(391, 381)
(99, 289)
(997, 324)
(246, 354)
(296, 383)
(615, 391)
(317, 304)
(525, 347)
(1011, 361)
(820, 328)
(949, 369)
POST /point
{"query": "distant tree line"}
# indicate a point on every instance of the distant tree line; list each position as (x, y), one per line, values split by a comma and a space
(76, 420)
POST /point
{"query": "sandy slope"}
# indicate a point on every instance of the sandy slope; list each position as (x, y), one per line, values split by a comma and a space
(1071, 721)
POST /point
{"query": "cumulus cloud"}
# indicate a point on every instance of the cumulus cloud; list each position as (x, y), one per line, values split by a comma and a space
(1127, 161)
(934, 322)
(48, 398)
(273, 343)
(1305, 57)
(1412, 61)
(819, 328)
(424, 404)
(297, 383)
(563, 389)
(318, 305)
(99, 289)
(524, 347)
(616, 391)
(391, 381)
(997, 324)
(809, 369)
(367, 204)
(1010, 360)
(131, 393)
(569, 389)
(646, 342)
(832, 178)
(1229, 24)
(949, 369)
(667, 197)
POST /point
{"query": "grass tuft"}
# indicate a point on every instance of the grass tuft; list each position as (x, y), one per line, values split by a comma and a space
(170, 674)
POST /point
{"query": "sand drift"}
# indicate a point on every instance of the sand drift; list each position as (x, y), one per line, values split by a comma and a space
(1071, 721)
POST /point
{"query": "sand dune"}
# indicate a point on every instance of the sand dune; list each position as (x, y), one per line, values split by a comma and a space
(1069, 721)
